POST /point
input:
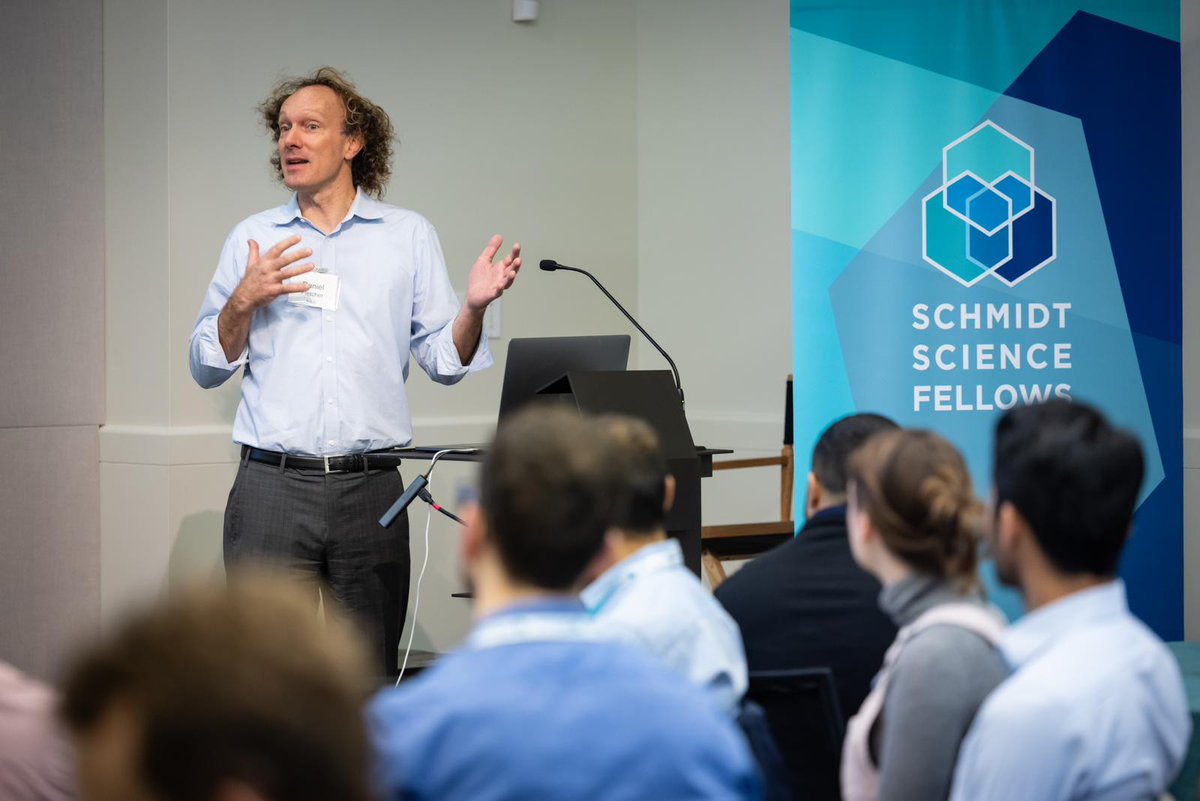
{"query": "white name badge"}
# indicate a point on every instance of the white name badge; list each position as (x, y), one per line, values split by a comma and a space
(323, 290)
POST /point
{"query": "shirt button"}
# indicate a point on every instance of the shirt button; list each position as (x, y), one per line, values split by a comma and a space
(329, 318)
(328, 358)
(332, 442)
(330, 401)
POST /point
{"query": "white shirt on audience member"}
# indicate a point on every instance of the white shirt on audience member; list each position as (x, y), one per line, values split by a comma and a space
(1095, 709)
(652, 600)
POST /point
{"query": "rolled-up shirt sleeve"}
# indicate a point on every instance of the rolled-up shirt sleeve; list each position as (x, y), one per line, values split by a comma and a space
(206, 357)
(435, 307)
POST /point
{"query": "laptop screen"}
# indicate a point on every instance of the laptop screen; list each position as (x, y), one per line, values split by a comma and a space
(536, 361)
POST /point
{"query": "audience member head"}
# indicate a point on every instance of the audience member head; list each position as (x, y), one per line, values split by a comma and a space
(912, 509)
(545, 504)
(223, 694)
(827, 481)
(643, 489)
(1065, 486)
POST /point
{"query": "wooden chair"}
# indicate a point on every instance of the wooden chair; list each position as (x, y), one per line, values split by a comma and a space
(742, 540)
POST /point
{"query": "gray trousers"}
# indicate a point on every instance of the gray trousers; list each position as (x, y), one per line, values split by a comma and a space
(325, 530)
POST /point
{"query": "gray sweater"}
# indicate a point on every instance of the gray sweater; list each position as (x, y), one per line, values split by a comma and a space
(938, 683)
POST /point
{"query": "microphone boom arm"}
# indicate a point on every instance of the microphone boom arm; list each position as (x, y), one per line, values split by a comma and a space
(545, 265)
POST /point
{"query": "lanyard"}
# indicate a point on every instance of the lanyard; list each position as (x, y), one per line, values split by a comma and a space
(653, 559)
(519, 628)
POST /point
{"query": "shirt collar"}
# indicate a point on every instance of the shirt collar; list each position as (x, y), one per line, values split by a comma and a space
(364, 207)
(1039, 629)
(650, 559)
(537, 606)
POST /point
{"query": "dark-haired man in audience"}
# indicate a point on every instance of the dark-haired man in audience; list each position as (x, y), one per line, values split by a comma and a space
(537, 704)
(806, 603)
(646, 594)
(237, 694)
(1095, 708)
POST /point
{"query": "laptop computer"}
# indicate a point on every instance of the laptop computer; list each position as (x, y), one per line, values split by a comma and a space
(535, 362)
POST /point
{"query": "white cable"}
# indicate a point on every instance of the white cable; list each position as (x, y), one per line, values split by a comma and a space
(412, 631)
(425, 560)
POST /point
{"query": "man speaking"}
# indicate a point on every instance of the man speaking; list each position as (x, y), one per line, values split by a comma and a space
(321, 301)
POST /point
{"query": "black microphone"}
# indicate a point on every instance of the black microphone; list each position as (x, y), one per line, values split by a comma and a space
(550, 265)
(402, 503)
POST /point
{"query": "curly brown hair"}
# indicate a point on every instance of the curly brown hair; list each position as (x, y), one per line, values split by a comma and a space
(372, 166)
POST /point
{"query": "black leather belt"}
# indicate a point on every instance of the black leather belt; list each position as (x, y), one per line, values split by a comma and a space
(350, 463)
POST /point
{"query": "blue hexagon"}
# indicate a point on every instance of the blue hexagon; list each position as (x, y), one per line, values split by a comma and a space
(989, 250)
(1016, 190)
(943, 243)
(988, 210)
(1034, 244)
(959, 191)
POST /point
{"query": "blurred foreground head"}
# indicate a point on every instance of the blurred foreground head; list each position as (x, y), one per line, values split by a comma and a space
(544, 507)
(235, 693)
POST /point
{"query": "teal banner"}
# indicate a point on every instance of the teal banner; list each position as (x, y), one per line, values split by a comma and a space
(986, 211)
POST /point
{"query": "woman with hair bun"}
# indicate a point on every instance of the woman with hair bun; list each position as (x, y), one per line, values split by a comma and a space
(913, 520)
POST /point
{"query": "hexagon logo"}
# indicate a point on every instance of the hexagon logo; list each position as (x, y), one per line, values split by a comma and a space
(988, 217)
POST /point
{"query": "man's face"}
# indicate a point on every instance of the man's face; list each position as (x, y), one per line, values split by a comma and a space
(109, 755)
(314, 150)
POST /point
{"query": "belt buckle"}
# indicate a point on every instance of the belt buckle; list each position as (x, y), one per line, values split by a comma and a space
(350, 463)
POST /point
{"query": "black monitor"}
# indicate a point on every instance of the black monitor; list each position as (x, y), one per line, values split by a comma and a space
(534, 362)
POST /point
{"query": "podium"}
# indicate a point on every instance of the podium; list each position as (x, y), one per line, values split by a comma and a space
(651, 396)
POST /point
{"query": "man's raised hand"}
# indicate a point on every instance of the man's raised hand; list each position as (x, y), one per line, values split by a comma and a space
(488, 280)
(265, 275)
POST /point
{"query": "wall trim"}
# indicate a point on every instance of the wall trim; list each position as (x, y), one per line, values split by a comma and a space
(170, 446)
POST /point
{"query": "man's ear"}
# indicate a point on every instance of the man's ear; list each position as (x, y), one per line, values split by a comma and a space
(813, 496)
(1012, 530)
(669, 494)
(605, 558)
(475, 536)
(354, 146)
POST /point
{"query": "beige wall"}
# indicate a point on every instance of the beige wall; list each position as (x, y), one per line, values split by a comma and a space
(522, 130)
(559, 133)
(51, 327)
(714, 226)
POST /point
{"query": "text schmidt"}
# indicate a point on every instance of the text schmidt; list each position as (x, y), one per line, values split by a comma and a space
(960, 359)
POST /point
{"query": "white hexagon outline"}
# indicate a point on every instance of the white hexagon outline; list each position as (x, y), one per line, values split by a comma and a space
(989, 124)
(925, 241)
(1033, 188)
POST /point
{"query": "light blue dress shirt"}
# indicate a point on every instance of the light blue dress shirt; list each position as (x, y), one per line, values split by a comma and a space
(320, 382)
(1095, 709)
(539, 705)
(652, 600)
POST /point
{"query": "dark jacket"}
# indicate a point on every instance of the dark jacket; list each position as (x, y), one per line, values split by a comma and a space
(807, 604)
